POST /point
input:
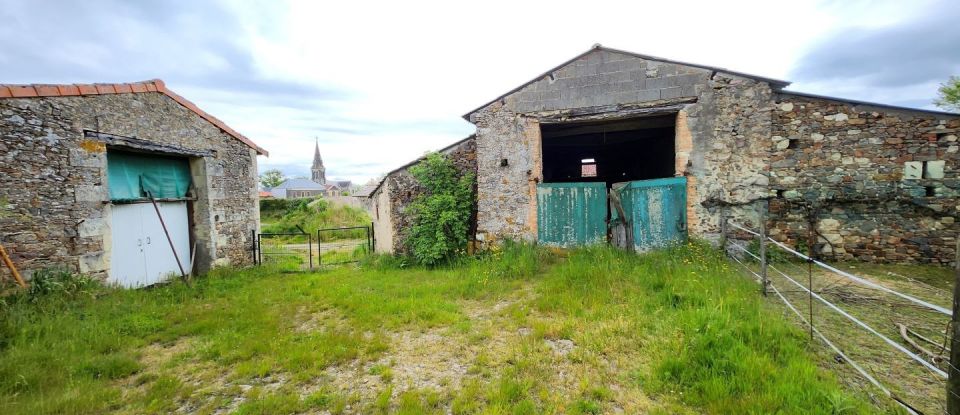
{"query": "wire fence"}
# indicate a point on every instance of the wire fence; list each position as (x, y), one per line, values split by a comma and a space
(867, 305)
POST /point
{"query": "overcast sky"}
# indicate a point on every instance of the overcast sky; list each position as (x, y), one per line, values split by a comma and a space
(378, 84)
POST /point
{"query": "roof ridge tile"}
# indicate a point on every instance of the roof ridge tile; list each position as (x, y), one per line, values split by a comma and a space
(152, 85)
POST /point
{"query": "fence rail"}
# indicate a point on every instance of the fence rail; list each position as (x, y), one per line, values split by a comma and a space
(300, 251)
(741, 251)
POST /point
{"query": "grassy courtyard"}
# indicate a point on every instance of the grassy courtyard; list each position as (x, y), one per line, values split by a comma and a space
(522, 331)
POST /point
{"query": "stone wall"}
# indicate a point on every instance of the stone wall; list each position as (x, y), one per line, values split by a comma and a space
(879, 183)
(54, 208)
(392, 221)
(723, 127)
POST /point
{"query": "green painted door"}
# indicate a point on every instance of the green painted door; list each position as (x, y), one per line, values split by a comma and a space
(656, 211)
(571, 214)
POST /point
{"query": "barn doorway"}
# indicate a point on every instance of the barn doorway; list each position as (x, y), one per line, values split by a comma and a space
(632, 159)
(609, 152)
(140, 252)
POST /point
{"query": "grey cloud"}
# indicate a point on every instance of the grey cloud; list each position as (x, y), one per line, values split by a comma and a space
(186, 43)
(910, 53)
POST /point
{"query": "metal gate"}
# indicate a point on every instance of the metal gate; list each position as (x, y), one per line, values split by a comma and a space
(288, 251)
(655, 210)
(571, 214)
(343, 245)
(300, 251)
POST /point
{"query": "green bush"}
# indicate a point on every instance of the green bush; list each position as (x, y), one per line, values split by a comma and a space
(441, 215)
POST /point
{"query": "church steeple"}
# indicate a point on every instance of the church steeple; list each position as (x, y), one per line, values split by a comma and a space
(319, 172)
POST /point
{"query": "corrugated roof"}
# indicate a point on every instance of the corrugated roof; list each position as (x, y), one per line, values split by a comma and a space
(153, 85)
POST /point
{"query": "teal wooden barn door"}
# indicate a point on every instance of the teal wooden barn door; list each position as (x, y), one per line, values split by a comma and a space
(656, 210)
(571, 214)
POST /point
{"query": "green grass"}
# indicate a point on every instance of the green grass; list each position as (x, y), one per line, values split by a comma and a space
(675, 331)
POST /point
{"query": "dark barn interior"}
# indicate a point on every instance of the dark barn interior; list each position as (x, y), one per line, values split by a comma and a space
(610, 151)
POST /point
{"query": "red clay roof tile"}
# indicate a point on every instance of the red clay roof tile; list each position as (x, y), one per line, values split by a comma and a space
(87, 89)
(153, 85)
(105, 89)
(47, 90)
(68, 90)
(23, 91)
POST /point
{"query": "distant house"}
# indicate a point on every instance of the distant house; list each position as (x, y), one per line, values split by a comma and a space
(265, 194)
(297, 188)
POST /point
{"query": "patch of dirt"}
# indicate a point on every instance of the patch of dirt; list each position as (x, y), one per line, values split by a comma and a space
(561, 347)
(308, 321)
(157, 354)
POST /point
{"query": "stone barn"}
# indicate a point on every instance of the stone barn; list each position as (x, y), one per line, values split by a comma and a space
(80, 164)
(677, 143)
(388, 201)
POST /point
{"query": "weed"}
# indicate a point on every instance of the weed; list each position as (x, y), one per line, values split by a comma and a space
(669, 331)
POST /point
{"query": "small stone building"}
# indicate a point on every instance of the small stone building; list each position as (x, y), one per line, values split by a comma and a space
(390, 198)
(78, 164)
(877, 182)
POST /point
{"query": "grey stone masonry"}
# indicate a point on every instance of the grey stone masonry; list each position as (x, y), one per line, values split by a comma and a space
(608, 78)
(722, 124)
(54, 202)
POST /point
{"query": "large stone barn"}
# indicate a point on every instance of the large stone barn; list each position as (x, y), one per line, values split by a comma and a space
(79, 165)
(679, 143)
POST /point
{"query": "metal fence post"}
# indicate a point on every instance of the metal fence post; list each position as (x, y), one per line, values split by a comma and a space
(811, 240)
(253, 245)
(723, 230)
(953, 379)
(763, 248)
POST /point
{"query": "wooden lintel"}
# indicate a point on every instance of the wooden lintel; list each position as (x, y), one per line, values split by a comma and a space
(141, 145)
(613, 112)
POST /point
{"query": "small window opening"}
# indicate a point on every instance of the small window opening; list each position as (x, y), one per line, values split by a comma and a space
(792, 144)
(923, 170)
(588, 170)
(931, 191)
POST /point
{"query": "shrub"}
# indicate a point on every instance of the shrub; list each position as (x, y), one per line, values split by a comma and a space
(441, 215)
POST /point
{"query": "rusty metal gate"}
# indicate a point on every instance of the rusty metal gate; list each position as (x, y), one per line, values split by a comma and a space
(571, 214)
(655, 212)
(644, 214)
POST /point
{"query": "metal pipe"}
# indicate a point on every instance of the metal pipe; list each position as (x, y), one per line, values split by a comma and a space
(156, 207)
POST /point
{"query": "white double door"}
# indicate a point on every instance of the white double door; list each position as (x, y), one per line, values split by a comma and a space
(141, 254)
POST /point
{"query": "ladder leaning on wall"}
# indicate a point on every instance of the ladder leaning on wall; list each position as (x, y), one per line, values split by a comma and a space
(13, 269)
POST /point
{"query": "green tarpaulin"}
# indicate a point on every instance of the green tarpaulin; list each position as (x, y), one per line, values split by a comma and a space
(132, 175)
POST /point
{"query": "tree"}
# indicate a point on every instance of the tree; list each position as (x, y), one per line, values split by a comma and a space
(948, 96)
(441, 214)
(271, 178)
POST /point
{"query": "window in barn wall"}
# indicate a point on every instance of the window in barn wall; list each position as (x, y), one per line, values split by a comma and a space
(588, 168)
